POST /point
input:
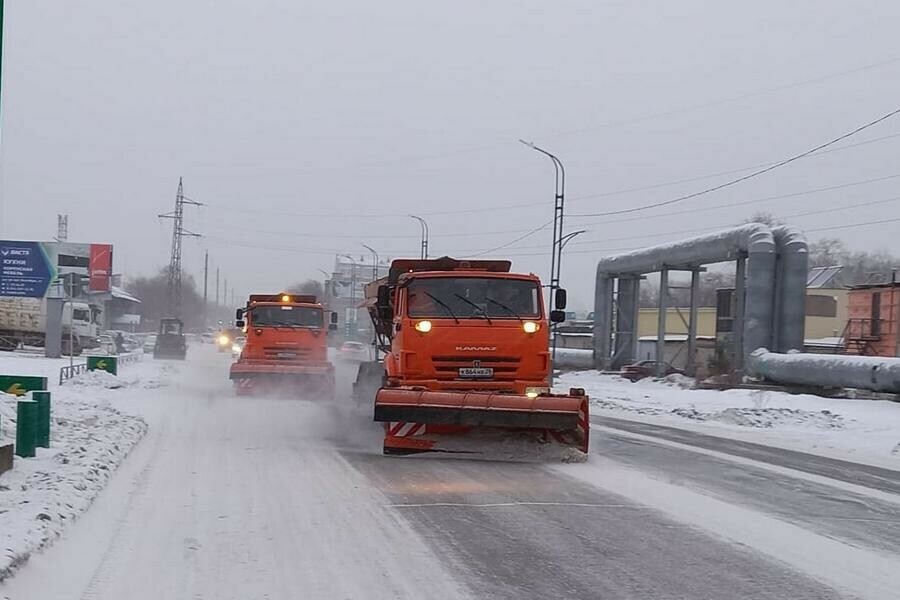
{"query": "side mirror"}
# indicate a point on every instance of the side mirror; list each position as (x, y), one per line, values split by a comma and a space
(239, 324)
(239, 314)
(557, 316)
(334, 320)
(384, 295)
(560, 302)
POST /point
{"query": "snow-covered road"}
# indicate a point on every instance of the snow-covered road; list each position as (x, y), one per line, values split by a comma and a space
(250, 498)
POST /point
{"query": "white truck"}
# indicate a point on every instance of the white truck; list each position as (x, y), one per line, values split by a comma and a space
(24, 320)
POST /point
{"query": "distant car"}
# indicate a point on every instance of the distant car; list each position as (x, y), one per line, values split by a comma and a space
(237, 346)
(646, 368)
(353, 352)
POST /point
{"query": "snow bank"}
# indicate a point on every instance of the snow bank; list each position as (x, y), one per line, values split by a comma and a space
(860, 430)
(89, 439)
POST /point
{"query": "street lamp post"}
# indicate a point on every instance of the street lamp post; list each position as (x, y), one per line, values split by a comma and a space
(556, 252)
(375, 264)
(424, 225)
(353, 266)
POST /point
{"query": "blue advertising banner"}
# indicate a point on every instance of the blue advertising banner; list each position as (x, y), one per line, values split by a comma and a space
(25, 269)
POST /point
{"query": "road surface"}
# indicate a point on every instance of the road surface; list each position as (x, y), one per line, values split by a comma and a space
(250, 498)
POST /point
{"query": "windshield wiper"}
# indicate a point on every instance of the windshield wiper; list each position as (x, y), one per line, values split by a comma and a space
(478, 308)
(444, 304)
(505, 307)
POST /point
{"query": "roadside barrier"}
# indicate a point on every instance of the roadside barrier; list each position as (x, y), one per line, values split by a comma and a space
(26, 427)
(110, 364)
(19, 385)
(42, 436)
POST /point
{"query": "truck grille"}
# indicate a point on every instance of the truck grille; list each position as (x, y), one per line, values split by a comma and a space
(292, 353)
(447, 367)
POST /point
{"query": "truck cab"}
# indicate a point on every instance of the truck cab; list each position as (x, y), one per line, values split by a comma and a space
(470, 330)
(285, 342)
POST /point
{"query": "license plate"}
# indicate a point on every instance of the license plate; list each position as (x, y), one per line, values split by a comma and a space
(476, 372)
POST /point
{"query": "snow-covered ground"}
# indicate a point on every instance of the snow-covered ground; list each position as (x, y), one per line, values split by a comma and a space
(859, 430)
(89, 438)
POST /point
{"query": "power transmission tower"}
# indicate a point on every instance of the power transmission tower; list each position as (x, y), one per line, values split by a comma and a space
(62, 228)
(178, 232)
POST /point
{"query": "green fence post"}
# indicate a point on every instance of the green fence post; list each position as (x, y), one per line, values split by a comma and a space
(42, 440)
(26, 427)
(103, 363)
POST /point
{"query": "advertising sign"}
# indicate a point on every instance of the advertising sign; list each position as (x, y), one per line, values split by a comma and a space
(25, 270)
(28, 269)
(100, 267)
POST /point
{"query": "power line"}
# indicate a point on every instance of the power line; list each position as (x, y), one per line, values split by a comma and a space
(743, 202)
(852, 225)
(663, 184)
(728, 100)
(722, 225)
(510, 243)
(756, 173)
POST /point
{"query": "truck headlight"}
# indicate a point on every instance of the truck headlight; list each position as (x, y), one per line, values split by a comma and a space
(534, 392)
(530, 326)
(223, 340)
(423, 326)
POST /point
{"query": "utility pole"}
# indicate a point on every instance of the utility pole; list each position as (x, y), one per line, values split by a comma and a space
(205, 288)
(225, 292)
(217, 287)
(178, 232)
(62, 224)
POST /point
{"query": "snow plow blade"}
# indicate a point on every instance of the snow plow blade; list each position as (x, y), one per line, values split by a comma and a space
(265, 376)
(428, 421)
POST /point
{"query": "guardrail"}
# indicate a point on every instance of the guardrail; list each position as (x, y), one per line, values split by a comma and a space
(70, 371)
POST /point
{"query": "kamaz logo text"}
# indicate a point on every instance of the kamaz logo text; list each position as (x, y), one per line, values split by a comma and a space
(476, 348)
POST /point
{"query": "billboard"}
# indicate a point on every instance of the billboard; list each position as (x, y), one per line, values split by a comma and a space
(28, 269)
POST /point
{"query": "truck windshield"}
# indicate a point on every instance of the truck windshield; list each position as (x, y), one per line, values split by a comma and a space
(285, 316)
(473, 297)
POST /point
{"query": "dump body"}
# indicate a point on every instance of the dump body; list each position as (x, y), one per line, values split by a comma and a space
(285, 348)
(24, 320)
(466, 352)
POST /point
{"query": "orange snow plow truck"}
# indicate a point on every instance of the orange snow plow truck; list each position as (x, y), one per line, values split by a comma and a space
(285, 348)
(466, 361)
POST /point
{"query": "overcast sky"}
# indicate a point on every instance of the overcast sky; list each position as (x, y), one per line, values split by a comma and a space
(307, 129)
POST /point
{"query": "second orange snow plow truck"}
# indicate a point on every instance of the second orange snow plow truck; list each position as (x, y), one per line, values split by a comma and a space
(285, 348)
(466, 360)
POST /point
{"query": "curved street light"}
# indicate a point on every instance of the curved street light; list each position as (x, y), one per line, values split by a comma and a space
(424, 225)
(568, 238)
(556, 253)
(374, 264)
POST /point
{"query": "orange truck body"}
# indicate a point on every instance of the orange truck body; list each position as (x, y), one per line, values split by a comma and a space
(459, 361)
(286, 347)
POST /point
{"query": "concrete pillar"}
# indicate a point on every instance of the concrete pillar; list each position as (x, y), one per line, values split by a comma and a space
(740, 302)
(603, 303)
(53, 332)
(626, 322)
(691, 366)
(661, 323)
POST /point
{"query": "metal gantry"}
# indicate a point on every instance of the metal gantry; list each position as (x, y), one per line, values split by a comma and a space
(178, 232)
